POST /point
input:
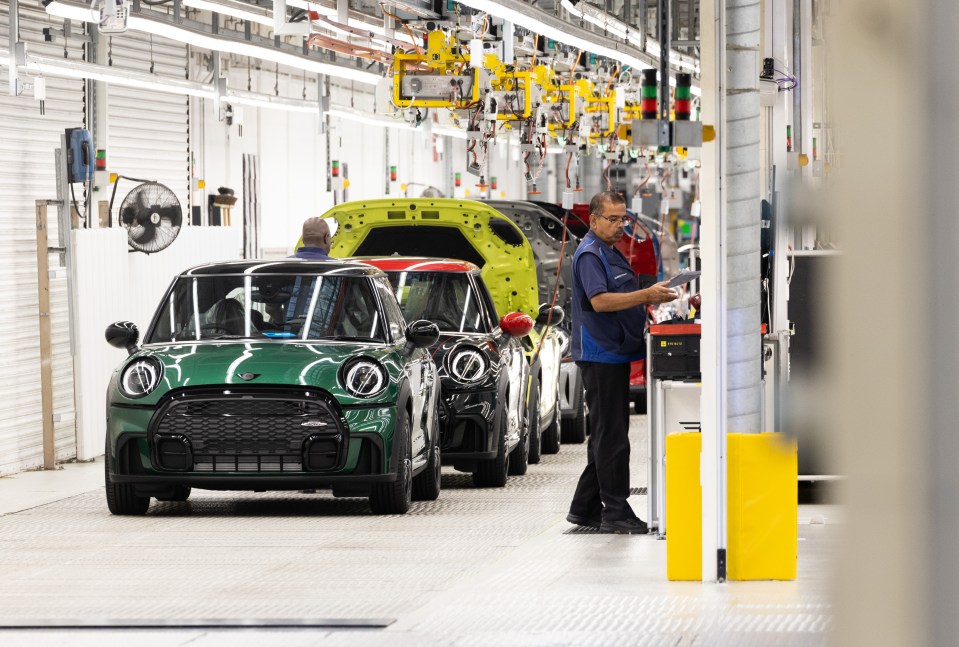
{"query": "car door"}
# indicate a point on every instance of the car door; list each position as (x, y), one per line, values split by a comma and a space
(421, 374)
(512, 363)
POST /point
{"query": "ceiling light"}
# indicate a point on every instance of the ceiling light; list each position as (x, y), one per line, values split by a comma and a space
(225, 45)
(323, 10)
(359, 117)
(232, 9)
(553, 33)
(271, 102)
(411, 9)
(72, 69)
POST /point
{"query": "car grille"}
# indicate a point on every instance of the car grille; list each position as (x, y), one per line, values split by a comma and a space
(247, 433)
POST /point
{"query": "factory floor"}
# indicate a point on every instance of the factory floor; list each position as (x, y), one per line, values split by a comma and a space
(476, 567)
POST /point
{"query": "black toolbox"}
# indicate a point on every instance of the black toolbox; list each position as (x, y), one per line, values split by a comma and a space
(675, 351)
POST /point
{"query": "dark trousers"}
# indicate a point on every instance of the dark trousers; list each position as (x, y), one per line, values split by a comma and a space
(604, 485)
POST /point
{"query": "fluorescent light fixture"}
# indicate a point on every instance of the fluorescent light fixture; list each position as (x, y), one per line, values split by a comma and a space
(225, 45)
(356, 23)
(74, 12)
(597, 17)
(349, 115)
(600, 18)
(230, 10)
(270, 102)
(553, 33)
(323, 10)
(72, 69)
(449, 132)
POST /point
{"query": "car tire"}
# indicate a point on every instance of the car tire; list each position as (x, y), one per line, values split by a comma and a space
(426, 486)
(535, 437)
(574, 429)
(519, 457)
(551, 436)
(180, 493)
(394, 497)
(493, 472)
(122, 498)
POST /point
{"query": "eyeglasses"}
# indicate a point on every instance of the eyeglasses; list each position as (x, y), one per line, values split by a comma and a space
(613, 219)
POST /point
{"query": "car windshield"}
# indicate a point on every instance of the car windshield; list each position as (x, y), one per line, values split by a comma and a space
(448, 299)
(265, 307)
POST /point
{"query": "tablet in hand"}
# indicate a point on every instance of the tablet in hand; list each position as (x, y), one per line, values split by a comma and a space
(682, 278)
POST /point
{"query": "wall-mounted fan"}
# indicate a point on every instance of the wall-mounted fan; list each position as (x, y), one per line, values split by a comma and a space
(152, 217)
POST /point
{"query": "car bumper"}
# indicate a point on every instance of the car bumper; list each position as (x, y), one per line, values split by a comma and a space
(361, 443)
(467, 421)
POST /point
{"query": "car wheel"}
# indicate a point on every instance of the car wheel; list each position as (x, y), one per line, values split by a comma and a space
(551, 436)
(574, 429)
(180, 493)
(394, 497)
(519, 457)
(535, 438)
(639, 406)
(122, 498)
(493, 472)
(426, 486)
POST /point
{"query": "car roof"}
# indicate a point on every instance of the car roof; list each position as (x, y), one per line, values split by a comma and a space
(283, 266)
(419, 264)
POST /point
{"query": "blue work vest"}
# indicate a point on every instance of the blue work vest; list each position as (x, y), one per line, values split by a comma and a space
(607, 337)
(311, 253)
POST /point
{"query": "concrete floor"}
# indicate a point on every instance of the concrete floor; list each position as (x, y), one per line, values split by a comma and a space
(476, 567)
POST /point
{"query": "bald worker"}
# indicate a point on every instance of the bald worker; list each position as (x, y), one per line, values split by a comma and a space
(316, 240)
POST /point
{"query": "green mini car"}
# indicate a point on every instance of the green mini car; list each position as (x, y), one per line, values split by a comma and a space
(283, 375)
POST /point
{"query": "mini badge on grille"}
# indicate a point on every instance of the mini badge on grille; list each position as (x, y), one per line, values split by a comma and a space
(248, 376)
(313, 423)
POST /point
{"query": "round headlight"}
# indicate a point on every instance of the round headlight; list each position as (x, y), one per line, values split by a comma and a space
(467, 364)
(141, 377)
(563, 338)
(364, 378)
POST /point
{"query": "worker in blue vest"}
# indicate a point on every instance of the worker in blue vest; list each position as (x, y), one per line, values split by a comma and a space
(609, 323)
(316, 240)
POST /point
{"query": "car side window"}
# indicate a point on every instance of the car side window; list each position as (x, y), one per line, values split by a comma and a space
(394, 315)
(487, 301)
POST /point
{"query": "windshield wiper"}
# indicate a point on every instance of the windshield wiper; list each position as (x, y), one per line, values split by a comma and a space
(225, 337)
(349, 338)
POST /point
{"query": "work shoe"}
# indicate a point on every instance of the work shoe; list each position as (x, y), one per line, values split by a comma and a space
(624, 527)
(583, 521)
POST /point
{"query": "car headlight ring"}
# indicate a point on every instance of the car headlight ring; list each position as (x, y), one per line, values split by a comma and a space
(141, 377)
(364, 377)
(467, 364)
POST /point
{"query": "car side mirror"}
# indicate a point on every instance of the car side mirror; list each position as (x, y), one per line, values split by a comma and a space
(422, 333)
(123, 334)
(516, 324)
(552, 315)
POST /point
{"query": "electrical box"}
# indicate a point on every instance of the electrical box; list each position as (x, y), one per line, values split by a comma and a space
(650, 132)
(79, 155)
(687, 133)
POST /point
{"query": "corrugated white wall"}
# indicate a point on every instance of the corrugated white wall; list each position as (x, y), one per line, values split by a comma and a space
(113, 284)
(28, 139)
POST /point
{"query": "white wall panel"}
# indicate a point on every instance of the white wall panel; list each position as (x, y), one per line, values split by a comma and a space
(114, 284)
(28, 139)
(147, 130)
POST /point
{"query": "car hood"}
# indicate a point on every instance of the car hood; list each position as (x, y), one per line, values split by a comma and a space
(463, 229)
(265, 364)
